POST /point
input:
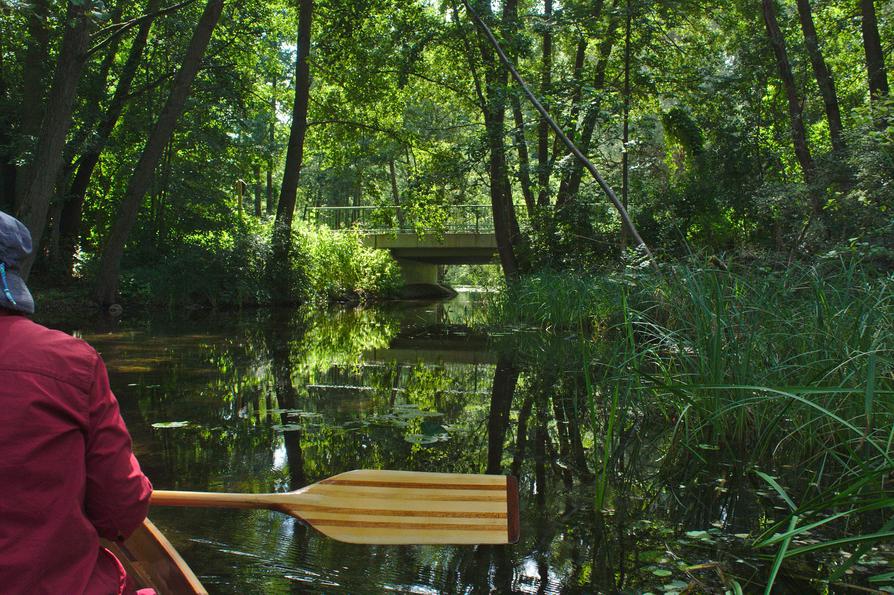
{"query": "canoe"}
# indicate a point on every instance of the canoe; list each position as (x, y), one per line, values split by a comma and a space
(152, 562)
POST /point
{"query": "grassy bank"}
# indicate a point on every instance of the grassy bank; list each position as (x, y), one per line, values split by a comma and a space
(785, 372)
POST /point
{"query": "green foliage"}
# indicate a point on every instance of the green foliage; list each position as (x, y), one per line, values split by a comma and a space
(338, 265)
(204, 269)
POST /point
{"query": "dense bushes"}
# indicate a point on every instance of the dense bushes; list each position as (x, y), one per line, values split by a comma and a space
(230, 268)
(339, 265)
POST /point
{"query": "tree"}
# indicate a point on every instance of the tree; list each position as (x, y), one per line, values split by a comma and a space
(282, 231)
(799, 136)
(543, 160)
(492, 100)
(34, 84)
(47, 161)
(823, 76)
(872, 47)
(110, 263)
(70, 222)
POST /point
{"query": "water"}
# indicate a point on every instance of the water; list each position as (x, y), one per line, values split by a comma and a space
(261, 401)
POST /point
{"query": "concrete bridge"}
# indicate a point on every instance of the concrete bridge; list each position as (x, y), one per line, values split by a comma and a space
(464, 235)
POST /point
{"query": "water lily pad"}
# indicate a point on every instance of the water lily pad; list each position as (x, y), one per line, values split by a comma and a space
(662, 572)
(426, 438)
(169, 425)
(288, 427)
(696, 534)
(420, 439)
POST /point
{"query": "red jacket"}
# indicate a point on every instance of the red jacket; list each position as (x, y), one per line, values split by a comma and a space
(67, 472)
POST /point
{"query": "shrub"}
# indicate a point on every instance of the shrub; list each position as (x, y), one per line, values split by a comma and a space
(338, 265)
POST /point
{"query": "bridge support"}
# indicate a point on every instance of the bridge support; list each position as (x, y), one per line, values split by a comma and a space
(421, 280)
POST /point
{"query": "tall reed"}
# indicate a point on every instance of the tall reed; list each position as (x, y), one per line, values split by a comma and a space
(767, 365)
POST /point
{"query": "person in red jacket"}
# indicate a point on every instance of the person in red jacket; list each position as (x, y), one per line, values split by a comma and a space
(68, 475)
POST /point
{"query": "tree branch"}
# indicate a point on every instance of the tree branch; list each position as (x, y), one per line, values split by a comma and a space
(118, 29)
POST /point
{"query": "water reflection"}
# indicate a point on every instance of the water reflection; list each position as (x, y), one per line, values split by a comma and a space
(274, 401)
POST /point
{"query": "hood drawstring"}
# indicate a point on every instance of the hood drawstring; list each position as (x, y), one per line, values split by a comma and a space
(6, 290)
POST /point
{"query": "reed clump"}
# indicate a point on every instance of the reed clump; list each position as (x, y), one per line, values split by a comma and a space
(787, 371)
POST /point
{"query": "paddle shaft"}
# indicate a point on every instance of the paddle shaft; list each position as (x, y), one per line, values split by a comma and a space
(215, 500)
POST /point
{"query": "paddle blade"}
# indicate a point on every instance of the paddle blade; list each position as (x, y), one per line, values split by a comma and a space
(405, 507)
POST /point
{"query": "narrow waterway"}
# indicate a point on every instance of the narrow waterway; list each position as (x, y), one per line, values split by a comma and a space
(261, 401)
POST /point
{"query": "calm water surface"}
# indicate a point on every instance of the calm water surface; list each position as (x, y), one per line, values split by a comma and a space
(261, 401)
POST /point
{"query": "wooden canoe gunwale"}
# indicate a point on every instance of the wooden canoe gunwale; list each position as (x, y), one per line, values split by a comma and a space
(151, 561)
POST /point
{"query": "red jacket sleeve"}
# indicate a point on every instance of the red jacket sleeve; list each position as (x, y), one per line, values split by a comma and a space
(117, 492)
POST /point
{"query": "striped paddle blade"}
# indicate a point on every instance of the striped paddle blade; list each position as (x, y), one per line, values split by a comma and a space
(390, 507)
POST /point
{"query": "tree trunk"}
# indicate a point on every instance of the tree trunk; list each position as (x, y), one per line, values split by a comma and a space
(580, 56)
(823, 76)
(70, 223)
(524, 161)
(271, 205)
(395, 194)
(625, 154)
(506, 230)
(140, 180)
(799, 137)
(7, 160)
(257, 172)
(93, 93)
(282, 229)
(543, 162)
(34, 85)
(48, 158)
(872, 46)
(570, 184)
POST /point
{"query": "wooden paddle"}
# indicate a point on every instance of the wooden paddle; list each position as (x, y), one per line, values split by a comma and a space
(388, 507)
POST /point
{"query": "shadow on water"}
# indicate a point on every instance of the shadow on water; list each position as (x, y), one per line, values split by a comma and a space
(611, 502)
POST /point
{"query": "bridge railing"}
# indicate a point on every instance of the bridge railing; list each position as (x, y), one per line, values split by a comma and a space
(394, 219)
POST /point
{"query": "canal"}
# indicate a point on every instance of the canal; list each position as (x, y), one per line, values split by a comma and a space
(264, 401)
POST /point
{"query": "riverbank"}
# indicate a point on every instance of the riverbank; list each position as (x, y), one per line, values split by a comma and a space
(228, 271)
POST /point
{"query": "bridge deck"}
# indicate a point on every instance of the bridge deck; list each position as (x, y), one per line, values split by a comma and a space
(454, 248)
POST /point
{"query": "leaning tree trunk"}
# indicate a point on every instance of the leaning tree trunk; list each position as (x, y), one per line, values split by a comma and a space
(110, 264)
(872, 46)
(280, 263)
(70, 222)
(57, 119)
(799, 137)
(823, 76)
